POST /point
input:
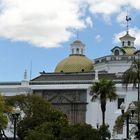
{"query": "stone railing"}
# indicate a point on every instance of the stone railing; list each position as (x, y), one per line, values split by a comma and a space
(115, 58)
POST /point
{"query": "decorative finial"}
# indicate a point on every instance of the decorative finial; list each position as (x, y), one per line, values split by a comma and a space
(127, 20)
(25, 74)
(31, 70)
(96, 75)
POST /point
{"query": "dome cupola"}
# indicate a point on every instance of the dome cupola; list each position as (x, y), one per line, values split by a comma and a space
(127, 40)
(77, 61)
(77, 48)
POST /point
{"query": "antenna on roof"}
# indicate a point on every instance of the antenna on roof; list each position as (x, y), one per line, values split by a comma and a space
(127, 20)
(31, 70)
(25, 74)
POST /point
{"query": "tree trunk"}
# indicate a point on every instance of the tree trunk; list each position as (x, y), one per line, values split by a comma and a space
(103, 108)
(103, 117)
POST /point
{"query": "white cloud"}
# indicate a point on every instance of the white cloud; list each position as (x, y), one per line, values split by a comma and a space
(135, 32)
(88, 21)
(109, 7)
(44, 23)
(106, 8)
(98, 38)
(135, 4)
(48, 23)
(121, 18)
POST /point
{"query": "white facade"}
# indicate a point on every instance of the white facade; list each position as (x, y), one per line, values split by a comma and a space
(94, 114)
(111, 64)
(115, 63)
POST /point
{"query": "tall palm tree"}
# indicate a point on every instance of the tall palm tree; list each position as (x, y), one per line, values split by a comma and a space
(103, 90)
(132, 76)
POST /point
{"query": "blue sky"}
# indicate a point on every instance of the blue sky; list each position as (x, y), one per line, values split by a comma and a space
(41, 31)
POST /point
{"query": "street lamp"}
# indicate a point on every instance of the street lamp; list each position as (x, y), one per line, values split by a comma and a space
(15, 116)
(97, 125)
(138, 124)
(132, 107)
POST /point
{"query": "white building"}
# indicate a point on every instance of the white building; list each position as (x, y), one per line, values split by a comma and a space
(68, 87)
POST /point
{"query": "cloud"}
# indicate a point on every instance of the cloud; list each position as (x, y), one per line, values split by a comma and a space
(98, 38)
(48, 23)
(88, 21)
(107, 8)
(121, 18)
(43, 23)
(135, 32)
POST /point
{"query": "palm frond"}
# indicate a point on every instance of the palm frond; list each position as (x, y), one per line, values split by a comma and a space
(93, 99)
(132, 75)
(104, 90)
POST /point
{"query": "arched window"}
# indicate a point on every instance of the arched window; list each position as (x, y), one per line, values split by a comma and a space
(123, 43)
(116, 52)
(129, 43)
(77, 50)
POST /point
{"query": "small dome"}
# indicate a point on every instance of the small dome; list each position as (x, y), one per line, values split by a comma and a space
(75, 63)
(77, 41)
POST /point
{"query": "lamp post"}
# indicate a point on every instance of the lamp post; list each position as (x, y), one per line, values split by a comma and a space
(138, 124)
(97, 125)
(132, 107)
(15, 116)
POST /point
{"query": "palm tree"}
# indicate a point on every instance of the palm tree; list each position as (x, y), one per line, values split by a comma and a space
(132, 75)
(103, 90)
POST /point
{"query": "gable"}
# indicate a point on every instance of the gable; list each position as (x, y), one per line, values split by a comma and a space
(117, 51)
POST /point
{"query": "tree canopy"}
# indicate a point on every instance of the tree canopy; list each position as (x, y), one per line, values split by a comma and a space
(69, 132)
(37, 111)
(42, 121)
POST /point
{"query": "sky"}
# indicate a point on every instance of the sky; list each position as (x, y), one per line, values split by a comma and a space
(36, 34)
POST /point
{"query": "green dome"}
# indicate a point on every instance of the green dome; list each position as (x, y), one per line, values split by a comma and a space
(75, 63)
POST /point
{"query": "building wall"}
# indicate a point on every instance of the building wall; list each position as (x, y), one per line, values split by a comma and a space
(75, 101)
(113, 66)
(94, 114)
(71, 102)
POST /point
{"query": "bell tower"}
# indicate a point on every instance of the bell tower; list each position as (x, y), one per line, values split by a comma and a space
(127, 40)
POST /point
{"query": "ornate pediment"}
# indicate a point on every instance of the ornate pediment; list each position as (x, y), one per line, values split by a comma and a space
(59, 99)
